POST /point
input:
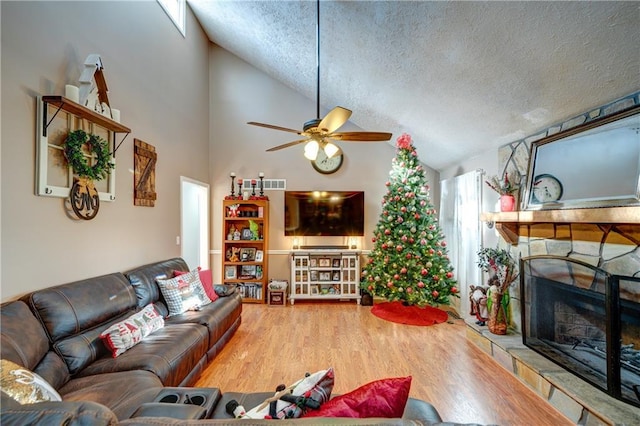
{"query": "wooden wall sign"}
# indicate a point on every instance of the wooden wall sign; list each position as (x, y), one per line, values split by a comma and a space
(144, 178)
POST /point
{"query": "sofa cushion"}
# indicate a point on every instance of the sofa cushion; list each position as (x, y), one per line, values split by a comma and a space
(125, 334)
(143, 279)
(171, 353)
(206, 278)
(123, 392)
(183, 293)
(380, 398)
(23, 385)
(22, 338)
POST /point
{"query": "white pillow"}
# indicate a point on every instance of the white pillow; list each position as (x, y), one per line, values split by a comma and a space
(128, 333)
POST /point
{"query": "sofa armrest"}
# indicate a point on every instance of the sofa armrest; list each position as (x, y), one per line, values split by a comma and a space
(55, 413)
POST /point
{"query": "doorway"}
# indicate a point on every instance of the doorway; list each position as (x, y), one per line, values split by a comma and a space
(194, 222)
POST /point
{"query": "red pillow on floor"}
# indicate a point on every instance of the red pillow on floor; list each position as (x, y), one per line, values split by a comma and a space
(382, 398)
(206, 279)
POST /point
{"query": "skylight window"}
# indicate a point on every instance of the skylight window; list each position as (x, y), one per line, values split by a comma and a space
(176, 9)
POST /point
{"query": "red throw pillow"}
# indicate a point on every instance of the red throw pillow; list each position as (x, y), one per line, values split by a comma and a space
(381, 398)
(206, 279)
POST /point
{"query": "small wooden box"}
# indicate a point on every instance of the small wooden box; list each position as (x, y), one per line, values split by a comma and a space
(277, 298)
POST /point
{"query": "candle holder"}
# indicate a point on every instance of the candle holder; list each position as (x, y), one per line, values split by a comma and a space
(240, 189)
(253, 187)
(261, 185)
(233, 179)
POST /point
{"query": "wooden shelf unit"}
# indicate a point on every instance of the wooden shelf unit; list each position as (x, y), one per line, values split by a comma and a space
(508, 223)
(253, 286)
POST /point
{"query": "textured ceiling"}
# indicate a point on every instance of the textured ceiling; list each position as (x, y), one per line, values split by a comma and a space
(459, 77)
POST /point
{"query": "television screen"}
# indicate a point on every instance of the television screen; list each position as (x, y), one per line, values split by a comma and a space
(324, 213)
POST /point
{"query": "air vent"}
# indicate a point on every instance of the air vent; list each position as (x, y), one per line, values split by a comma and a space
(269, 184)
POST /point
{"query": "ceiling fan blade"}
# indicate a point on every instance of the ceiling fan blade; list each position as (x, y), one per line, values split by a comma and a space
(360, 136)
(287, 145)
(271, 126)
(334, 119)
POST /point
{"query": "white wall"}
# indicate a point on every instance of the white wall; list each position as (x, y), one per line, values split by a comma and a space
(157, 78)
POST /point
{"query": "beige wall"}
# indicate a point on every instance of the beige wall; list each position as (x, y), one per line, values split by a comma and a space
(241, 93)
(157, 78)
(188, 98)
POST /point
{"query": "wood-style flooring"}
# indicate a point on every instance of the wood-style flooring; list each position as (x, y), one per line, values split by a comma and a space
(278, 344)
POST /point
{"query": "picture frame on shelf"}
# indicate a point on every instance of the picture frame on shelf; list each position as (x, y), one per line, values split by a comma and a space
(314, 290)
(247, 234)
(336, 263)
(230, 272)
(325, 276)
(247, 254)
(313, 262)
(248, 272)
(258, 272)
(259, 256)
(336, 276)
(314, 275)
(324, 262)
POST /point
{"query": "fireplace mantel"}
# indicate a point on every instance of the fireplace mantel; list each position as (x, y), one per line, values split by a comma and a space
(508, 223)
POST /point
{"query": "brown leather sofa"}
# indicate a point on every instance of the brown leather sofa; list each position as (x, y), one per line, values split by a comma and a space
(55, 332)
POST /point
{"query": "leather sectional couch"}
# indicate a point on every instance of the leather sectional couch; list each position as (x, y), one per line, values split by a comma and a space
(55, 333)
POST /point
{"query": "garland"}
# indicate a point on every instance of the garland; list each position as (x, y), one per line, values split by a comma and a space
(78, 161)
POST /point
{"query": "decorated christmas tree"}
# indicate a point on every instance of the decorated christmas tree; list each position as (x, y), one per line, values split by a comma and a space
(409, 260)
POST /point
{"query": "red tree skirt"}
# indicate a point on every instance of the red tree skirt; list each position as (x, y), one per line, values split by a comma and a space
(412, 315)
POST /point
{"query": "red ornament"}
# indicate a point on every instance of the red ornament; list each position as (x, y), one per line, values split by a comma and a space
(404, 238)
(387, 231)
(454, 289)
(416, 216)
(370, 288)
(411, 240)
(443, 243)
(370, 260)
(424, 272)
(384, 246)
(408, 255)
(435, 293)
(449, 274)
(403, 209)
(399, 247)
(409, 290)
(436, 278)
(387, 183)
(389, 284)
(420, 284)
(403, 270)
(373, 240)
(396, 277)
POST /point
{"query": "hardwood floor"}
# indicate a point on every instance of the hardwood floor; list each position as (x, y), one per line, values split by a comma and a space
(279, 344)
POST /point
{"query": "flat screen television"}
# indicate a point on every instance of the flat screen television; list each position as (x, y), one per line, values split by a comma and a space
(324, 213)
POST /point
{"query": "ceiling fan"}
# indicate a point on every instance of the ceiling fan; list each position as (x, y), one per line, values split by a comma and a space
(319, 133)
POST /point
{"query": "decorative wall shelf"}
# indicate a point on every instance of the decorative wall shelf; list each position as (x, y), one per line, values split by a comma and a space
(508, 223)
(82, 112)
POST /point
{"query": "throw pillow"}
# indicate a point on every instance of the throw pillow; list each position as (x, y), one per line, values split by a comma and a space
(25, 386)
(223, 290)
(126, 334)
(206, 278)
(381, 398)
(183, 293)
(317, 386)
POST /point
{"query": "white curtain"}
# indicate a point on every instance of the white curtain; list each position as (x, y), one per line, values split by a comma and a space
(460, 204)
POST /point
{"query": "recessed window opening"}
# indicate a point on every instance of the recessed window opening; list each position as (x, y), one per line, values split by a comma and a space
(176, 10)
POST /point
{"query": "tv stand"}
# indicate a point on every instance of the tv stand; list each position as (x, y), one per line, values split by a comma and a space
(325, 273)
(324, 247)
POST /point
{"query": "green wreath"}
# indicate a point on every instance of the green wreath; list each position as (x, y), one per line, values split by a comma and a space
(77, 159)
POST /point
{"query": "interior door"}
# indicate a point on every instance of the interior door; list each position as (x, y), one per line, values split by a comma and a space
(194, 218)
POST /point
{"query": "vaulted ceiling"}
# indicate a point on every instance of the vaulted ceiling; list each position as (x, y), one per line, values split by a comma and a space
(459, 77)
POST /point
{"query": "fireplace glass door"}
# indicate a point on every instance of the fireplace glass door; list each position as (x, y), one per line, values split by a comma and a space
(585, 320)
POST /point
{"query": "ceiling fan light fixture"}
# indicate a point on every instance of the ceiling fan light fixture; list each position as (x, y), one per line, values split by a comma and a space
(330, 149)
(311, 150)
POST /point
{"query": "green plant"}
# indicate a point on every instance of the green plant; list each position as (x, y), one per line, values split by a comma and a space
(505, 186)
(77, 159)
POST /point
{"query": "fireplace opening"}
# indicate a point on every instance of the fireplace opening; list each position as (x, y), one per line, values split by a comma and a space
(585, 320)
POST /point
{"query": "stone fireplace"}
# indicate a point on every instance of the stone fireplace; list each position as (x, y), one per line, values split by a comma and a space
(585, 320)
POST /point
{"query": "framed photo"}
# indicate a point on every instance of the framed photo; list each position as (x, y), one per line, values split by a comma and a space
(247, 272)
(247, 254)
(325, 276)
(336, 276)
(314, 289)
(247, 234)
(314, 275)
(259, 272)
(336, 263)
(259, 255)
(313, 263)
(324, 262)
(229, 272)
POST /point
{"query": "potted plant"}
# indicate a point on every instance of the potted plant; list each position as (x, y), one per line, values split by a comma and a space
(502, 269)
(507, 188)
